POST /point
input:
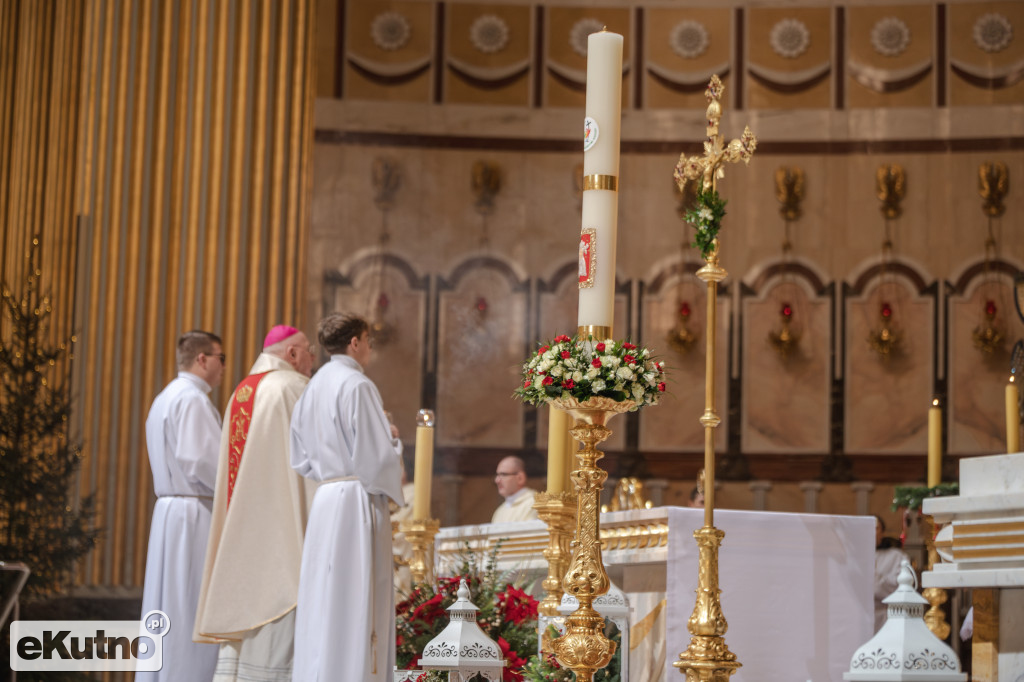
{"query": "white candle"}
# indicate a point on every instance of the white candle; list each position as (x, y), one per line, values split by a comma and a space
(1012, 417)
(601, 175)
(424, 465)
(934, 444)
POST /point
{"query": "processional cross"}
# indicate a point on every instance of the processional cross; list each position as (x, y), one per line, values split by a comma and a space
(708, 658)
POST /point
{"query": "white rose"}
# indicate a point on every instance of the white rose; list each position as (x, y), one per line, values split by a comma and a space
(597, 386)
(609, 343)
(556, 371)
(706, 214)
(644, 353)
(611, 361)
(549, 355)
(593, 373)
(571, 363)
(577, 376)
(638, 391)
(649, 378)
(625, 373)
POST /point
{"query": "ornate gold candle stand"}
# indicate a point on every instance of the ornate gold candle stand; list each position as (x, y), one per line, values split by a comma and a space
(420, 534)
(934, 617)
(583, 648)
(558, 511)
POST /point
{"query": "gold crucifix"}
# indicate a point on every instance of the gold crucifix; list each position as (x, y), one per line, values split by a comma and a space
(716, 152)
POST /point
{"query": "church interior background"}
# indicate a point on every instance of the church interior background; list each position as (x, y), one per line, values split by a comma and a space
(237, 164)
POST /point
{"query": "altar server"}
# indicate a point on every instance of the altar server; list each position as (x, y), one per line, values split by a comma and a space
(251, 576)
(182, 436)
(340, 436)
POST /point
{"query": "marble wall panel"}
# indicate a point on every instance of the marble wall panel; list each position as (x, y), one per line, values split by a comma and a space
(566, 36)
(496, 72)
(986, 71)
(389, 47)
(479, 359)
(786, 404)
(902, 74)
(886, 400)
(976, 422)
(674, 424)
(678, 64)
(396, 366)
(790, 58)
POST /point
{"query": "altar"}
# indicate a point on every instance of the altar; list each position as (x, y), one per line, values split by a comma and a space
(797, 589)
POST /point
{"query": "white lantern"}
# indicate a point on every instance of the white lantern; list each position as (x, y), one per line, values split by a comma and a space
(462, 648)
(905, 649)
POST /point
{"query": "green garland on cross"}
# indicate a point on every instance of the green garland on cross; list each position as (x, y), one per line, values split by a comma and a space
(911, 497)
(706, 216)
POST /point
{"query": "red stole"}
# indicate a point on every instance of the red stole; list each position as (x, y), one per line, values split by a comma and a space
(241, 417)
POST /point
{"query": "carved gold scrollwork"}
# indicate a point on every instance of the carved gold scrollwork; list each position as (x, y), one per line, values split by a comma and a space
(891, 183)
(993, 183)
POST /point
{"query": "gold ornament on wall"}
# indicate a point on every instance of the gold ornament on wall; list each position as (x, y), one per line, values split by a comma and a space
(886, 339)
(988, 337)
(789, 190)
(486, 183)
(891, 182)
(785, 340)
(993, 183)
(680, 336)
(386, 178)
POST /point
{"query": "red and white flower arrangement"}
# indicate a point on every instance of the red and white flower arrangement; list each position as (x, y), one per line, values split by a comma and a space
(583, 369)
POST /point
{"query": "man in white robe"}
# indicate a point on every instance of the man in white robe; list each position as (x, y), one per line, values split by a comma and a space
(511, 482)
(182, 436)
(340, 436)
(251, 576)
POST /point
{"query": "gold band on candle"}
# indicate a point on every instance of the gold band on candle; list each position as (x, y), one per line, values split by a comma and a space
(598, 332)
(608, 182)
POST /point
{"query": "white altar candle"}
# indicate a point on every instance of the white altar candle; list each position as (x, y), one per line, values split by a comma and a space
(600, 180)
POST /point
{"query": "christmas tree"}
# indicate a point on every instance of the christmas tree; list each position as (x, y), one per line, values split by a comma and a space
(39, 523)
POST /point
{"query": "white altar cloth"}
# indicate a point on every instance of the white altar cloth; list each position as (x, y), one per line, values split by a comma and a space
(796, 591)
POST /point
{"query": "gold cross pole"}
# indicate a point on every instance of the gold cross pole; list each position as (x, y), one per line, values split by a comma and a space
(708, 659)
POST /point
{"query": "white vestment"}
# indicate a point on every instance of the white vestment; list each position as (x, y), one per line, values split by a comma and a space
(345, 622)
(887, 569)
(182, 437)
(401, 549)
(251, 576)
(518, 507)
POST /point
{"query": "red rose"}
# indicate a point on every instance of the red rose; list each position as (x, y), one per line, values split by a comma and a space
(548, 381)
(526, 384)
(600, 347)
(561, 338)
(629, 359)
(566, 355)
(661, 386)
(595, 362)
(543, 349)
(628, 346)
(568, 384)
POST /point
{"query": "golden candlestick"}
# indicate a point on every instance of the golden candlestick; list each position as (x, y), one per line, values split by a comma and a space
(420, 534)
(558, 511)
(934, 617)
(708, 658)
(583, 648)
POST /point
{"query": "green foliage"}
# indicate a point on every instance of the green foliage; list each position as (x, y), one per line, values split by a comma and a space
(911, 497)
(706, 216)
(39, 525)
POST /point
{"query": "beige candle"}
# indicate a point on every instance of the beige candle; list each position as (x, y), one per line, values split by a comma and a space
(1012, 417)
(600, 180)
(571, 446)
(424, 465)
(558, 423)
(934, 444)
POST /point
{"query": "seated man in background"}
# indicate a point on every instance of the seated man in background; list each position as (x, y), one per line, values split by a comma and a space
(511, 482)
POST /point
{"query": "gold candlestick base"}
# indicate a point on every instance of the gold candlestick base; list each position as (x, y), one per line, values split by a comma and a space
(934, 617)
(558, 511)
(583, 648)
(708, 658)
(420, 534)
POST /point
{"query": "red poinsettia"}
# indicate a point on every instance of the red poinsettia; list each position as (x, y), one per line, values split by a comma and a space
(513, 662)
(517, 605)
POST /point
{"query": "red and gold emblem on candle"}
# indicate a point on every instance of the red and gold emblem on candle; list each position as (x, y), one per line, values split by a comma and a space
(587, 257)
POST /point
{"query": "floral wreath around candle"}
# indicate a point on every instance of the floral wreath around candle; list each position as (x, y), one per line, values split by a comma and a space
(706, 217)
(584, 369)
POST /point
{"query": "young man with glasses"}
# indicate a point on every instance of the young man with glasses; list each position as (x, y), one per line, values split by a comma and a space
(511, 482)
(251, 575)
(183, 431)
